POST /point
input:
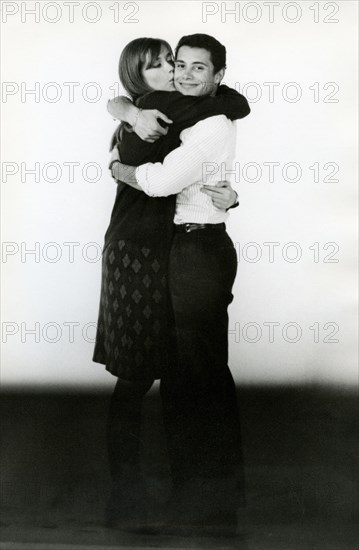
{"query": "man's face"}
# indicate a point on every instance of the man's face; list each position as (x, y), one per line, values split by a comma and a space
(194, 72)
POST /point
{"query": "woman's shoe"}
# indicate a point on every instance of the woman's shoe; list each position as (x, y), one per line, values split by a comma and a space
(127, 506)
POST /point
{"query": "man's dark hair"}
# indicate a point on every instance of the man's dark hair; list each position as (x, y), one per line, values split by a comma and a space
(215, 48)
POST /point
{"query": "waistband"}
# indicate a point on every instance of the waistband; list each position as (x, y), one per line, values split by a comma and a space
(188, 227)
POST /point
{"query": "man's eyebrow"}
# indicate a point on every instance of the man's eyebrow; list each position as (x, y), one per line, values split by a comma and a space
(193, 63)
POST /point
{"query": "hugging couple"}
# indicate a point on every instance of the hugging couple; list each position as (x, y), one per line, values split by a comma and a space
(168, 268)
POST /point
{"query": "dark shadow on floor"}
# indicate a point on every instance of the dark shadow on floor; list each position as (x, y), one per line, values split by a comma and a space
(301, 456)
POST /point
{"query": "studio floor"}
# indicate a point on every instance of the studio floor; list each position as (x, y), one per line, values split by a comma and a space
(300, 449)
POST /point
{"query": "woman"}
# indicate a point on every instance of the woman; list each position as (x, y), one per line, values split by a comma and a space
(133, 325)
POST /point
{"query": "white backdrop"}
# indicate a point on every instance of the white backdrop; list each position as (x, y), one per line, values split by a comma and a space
(293, 318)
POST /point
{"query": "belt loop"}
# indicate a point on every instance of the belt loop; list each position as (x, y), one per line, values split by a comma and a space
(188, 227)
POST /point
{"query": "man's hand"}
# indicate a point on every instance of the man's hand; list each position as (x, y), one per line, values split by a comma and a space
(147, 127)
(125, 173)
(222, 194)
(115, 156)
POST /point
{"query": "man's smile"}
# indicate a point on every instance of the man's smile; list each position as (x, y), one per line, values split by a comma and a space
(188, 84)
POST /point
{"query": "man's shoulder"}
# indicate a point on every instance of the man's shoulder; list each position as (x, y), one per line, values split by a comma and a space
(216, 123)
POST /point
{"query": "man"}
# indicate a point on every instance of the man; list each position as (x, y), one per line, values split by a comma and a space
(205, 441)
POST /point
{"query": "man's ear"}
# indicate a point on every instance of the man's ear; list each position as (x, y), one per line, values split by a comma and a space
(218, 76)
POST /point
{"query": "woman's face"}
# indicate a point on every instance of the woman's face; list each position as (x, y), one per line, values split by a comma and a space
(159, 74)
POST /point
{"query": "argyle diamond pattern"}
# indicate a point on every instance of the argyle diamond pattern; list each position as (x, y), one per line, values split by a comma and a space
(131, 337)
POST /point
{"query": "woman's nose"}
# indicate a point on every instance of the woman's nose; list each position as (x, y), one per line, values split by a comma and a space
(170, 67)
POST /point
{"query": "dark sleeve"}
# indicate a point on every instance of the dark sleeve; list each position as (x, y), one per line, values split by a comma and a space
(234, 104)
(185, 111)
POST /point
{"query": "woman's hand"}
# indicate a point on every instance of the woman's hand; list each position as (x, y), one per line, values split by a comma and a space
(222, 194)
(143, 121)
(147, 127)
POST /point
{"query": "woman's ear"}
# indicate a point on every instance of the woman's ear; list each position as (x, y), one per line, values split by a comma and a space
(218, 76)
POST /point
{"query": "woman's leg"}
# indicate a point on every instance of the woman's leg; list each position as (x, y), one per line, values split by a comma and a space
(127, 501)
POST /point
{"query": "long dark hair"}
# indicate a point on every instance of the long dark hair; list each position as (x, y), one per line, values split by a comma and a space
(139, 54)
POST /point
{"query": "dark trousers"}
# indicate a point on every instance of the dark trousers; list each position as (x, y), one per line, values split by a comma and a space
(198, 393)
(198, 390)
